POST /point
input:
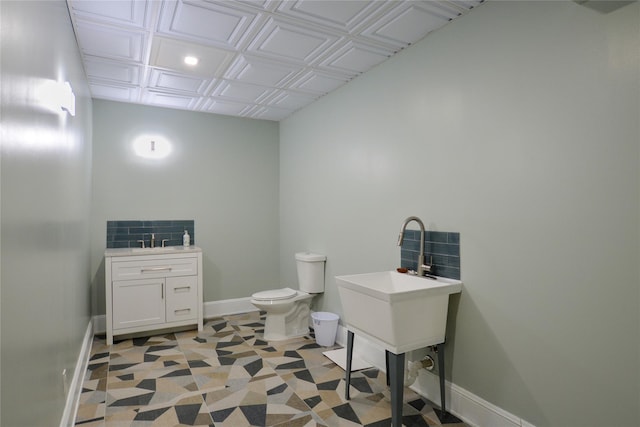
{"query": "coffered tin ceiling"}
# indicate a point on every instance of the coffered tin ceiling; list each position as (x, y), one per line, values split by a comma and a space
(262, 59)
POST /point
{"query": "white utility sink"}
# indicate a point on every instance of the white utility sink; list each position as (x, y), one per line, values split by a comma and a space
(399, 311)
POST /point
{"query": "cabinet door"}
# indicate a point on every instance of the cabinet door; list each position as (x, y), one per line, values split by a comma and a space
(182, 298)
(138, 303)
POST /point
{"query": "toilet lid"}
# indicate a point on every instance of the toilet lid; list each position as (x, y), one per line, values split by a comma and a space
(275, 294)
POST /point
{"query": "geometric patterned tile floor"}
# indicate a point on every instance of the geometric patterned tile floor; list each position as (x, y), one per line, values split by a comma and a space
(228, 376)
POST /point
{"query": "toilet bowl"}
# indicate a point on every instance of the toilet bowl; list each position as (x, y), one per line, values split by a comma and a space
(287, 310)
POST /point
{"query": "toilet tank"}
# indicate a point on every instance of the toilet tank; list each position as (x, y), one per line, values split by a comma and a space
(310, 272)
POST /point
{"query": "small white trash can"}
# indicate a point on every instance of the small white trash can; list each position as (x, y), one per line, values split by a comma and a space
(325, 325)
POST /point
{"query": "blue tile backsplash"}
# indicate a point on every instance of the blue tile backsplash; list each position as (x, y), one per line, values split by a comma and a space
(442, 247)
(125, 234)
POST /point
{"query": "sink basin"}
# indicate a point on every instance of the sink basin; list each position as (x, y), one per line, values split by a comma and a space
(398, 311)
(156, 250)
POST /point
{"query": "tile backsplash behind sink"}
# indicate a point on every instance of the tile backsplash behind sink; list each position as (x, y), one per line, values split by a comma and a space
(125, 234)
(440, 246)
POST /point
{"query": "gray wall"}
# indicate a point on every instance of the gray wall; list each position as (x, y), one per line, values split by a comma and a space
(516, 126)
(46, 174)
(222, 173)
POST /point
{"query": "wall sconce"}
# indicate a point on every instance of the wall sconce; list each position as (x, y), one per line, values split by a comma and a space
(151, 146)
(68, 99)
(57, 97)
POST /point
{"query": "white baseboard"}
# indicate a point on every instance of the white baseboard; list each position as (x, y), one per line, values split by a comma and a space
(75, 388)
(99, 324)
(473, 410)
(227, 307)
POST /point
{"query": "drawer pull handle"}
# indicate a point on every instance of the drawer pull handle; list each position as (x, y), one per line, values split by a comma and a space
(182, 289)
(183, 311)
(152, 269)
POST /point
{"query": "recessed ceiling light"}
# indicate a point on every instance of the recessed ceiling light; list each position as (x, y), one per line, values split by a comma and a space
(191, 60)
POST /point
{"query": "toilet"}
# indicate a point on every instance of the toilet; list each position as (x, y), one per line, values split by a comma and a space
(288, 309)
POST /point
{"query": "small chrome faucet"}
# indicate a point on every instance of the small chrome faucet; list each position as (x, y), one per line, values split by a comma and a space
(152, 243)
(422, 267)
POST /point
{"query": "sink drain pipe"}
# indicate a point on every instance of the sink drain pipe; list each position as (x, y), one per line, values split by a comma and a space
(413, 368)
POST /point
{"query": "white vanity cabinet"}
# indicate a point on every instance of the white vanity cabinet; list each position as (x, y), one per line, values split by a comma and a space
(151, 289)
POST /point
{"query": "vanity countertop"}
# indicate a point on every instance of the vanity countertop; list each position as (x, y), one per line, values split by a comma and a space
(115, 252)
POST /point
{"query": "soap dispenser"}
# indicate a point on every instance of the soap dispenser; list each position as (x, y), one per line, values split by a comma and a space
(186, 239)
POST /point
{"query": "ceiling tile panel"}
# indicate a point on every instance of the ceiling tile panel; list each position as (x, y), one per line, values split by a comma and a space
(256, 58)
(286, 41)
(268, 5)
(268, 113)
(123, 12)
(318, 82)
(451, 9)
(409, 22)
(242, 92)
(161, 79)
(172, 100)
(355, 58)
(219, 106)
(346, 16)
(112, 71)
(262, 72)
(108, 42)
(169, 54)
(114, 92)
(290, 100)
(466, 5)
(215, 24)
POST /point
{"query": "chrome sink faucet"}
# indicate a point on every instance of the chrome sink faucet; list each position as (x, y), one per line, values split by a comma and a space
(422, 267)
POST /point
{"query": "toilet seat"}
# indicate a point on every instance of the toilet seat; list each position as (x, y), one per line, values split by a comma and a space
(275, 294)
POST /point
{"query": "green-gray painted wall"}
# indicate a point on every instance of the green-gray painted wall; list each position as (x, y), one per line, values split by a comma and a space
(44, 228)
(222, 173)
(517, 126)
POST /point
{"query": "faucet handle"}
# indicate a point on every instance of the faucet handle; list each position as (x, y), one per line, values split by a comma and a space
(428, 268)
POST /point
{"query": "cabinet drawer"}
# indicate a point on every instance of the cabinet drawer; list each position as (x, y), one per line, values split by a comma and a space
(182, 298)
(128, 270)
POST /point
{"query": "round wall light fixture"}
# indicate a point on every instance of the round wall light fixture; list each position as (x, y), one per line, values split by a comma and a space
(152, 146)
